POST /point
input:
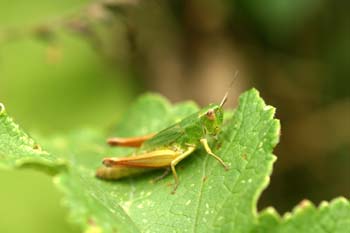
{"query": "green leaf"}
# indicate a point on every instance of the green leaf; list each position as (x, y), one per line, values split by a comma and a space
(209, 199)
(331, 217)
(17, 149)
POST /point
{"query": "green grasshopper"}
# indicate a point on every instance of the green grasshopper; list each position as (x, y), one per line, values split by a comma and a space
(168, 147)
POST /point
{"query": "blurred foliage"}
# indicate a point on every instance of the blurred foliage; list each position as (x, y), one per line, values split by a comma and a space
(31, 203)
(93, 57)
(50, 87)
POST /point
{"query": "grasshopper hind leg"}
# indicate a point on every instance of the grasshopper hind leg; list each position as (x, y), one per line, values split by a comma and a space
(129, 142)
(158, 178)
(189, 150)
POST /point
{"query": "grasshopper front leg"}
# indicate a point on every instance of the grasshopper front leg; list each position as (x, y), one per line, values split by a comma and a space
(204, 142)
(189, 150)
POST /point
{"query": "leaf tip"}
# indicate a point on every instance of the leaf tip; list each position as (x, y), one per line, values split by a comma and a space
(2, 108)
(304, 204)
(255, 91)
(269, 214)
(337, 201)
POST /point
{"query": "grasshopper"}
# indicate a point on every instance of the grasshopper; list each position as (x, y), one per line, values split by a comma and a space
(168, 147)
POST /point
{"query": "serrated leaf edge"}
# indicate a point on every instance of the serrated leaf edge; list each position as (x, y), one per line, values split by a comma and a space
(276, 134)
(301, 208)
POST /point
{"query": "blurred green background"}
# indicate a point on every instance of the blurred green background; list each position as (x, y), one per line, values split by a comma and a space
(70, 64)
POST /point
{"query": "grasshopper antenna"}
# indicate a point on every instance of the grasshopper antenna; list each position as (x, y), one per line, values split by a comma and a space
(223, 101)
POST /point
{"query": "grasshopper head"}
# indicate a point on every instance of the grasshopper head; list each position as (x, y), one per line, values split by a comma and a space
(212, 118)
(213, 115)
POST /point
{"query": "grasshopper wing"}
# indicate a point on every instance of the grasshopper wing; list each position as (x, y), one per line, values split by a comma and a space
(164, 138)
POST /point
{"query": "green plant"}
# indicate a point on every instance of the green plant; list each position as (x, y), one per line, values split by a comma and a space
(209, 199)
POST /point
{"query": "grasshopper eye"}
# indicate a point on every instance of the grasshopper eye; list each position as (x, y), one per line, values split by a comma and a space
(211, 115)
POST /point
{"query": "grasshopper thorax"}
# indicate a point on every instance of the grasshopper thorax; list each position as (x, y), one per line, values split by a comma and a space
(211, 119)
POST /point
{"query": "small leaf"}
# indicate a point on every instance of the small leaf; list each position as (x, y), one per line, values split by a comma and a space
(17, 149)
(331, 217)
